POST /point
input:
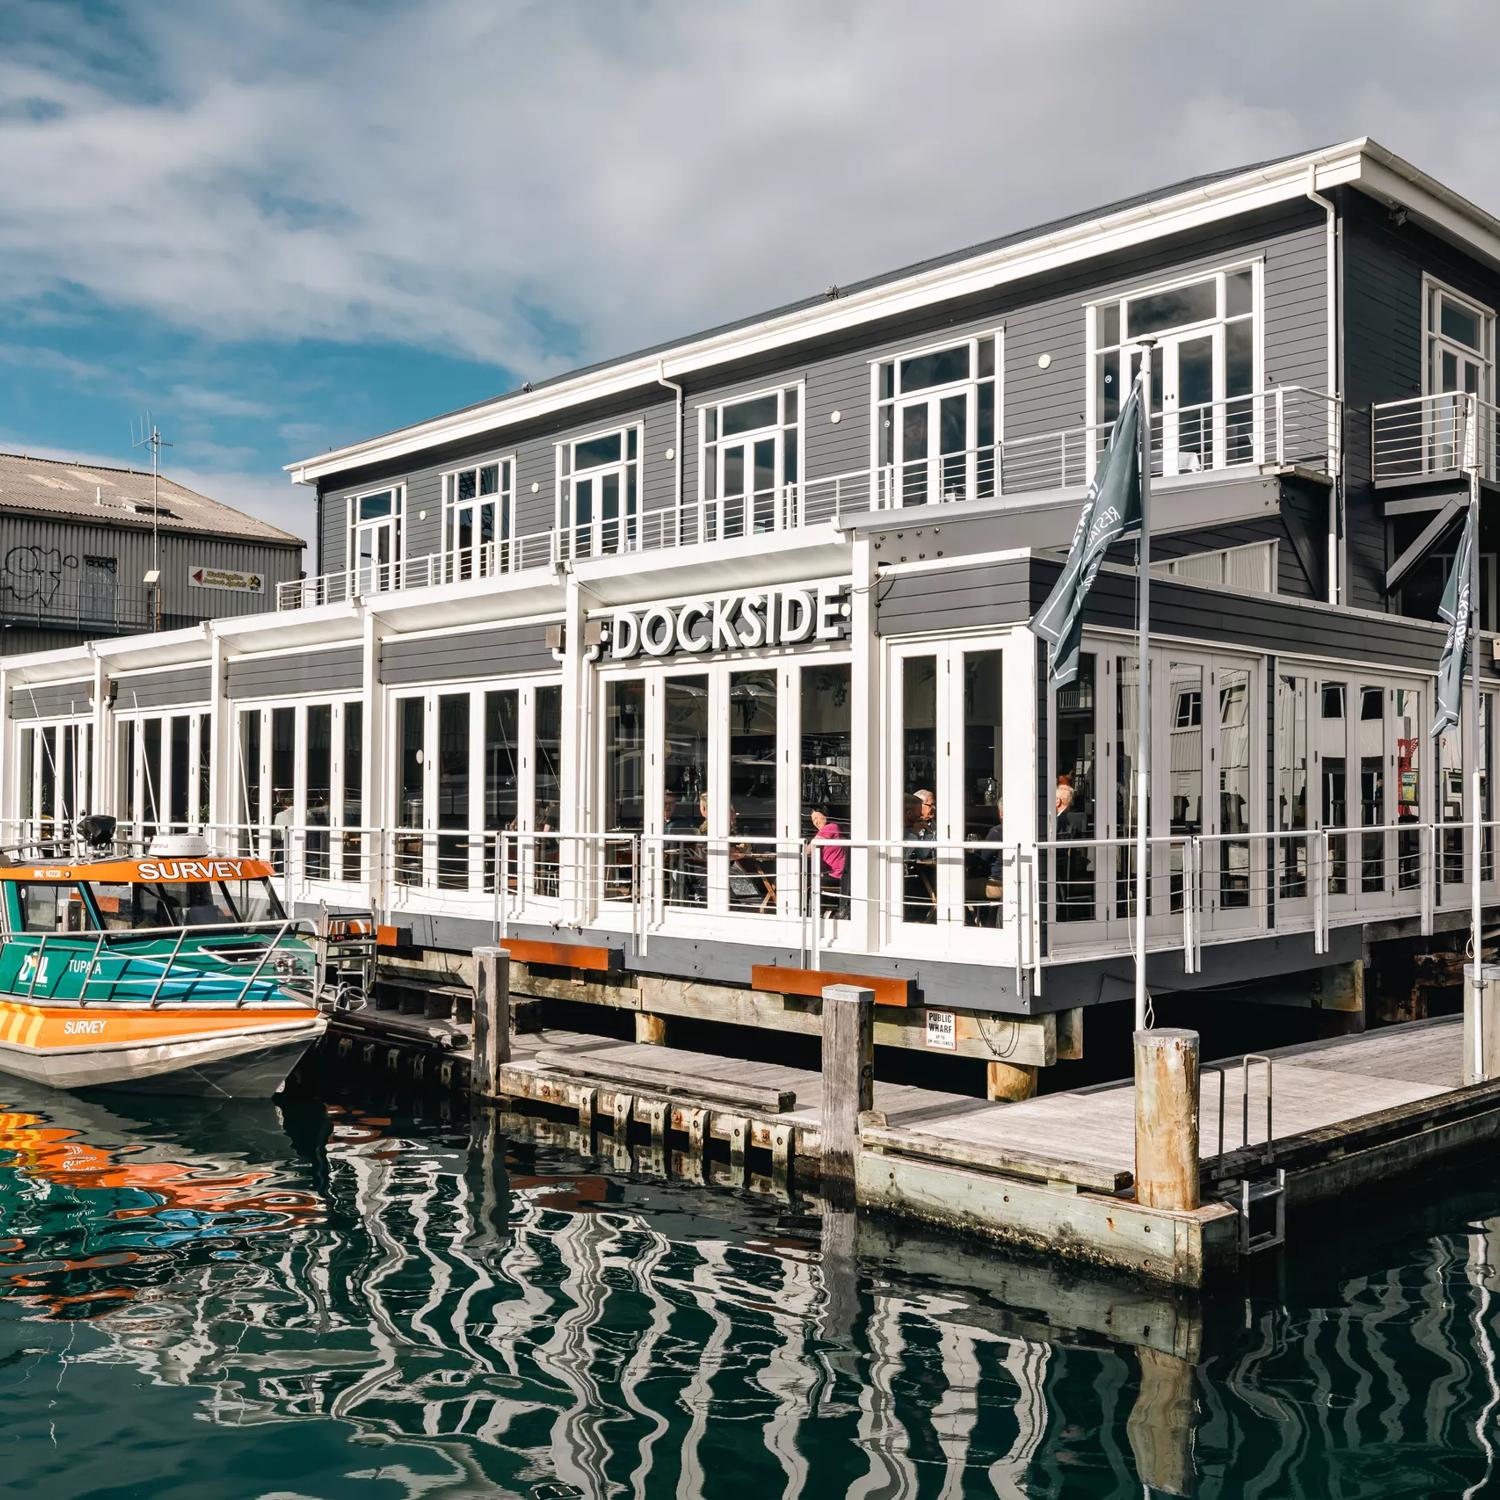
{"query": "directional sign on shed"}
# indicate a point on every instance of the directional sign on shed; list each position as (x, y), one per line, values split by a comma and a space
(226, 578)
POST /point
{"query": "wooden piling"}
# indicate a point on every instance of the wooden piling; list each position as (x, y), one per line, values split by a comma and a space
(848, 1075)
(650, 1030)
(1005, 1080)
(492, 1020)
(1166, 1118)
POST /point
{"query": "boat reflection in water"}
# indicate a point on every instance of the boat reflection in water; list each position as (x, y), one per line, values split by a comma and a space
(373, 1306)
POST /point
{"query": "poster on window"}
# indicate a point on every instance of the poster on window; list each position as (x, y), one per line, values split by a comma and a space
(226, 578)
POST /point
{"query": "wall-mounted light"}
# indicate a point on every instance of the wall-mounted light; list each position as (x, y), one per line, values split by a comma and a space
(535, 486)
(835, 416)
(671, 454)
(1044, 361)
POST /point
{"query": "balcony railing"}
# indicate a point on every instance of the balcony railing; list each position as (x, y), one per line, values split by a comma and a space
(68, 605)
(1285, 426)
(1424, 438)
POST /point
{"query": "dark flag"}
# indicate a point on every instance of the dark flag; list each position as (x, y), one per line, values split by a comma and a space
(1111, 513)
(1455, 612)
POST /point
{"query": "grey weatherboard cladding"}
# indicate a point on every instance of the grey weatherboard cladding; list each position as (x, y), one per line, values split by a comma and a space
(51, 700)
(1043, 314)
(475, 653)
(163, 689)
(337, 671)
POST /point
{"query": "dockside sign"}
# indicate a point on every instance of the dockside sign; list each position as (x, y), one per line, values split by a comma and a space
(731, 622)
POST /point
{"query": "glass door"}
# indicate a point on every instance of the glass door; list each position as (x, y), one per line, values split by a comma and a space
(475, 523)
(747, 486)
(375, 556)
(946, 872)
(933, 447)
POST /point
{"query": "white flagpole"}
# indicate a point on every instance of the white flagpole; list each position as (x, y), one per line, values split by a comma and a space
(1143, 699)
(1480, 750)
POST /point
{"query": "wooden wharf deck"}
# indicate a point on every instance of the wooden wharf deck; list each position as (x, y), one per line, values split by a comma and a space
(1052, 1172)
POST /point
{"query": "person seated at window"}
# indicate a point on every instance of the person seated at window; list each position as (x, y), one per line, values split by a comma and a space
(832, 857)
(921, 866)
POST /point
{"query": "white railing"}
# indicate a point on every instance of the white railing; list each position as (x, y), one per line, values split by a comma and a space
(1287, 425)
(1433, 437)
(1026, 906)
(487, 560)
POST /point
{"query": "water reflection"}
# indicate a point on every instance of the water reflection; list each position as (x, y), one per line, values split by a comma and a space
(349, 1302)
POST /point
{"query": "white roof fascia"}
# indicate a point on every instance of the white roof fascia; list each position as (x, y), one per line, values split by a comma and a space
(1205, 204)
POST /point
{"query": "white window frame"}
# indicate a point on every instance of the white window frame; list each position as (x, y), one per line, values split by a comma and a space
(260, 840)
(397, 520)
(887, 489)
(425, 888)
(786, 508)
(568, 473)
(31, 775)
(1433, 337)
(131, 778)
(1094, 348)
(503, 556)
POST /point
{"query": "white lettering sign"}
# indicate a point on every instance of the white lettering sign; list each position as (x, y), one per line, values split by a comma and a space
(226, 578)
(732, 622)
(83, 1028)
(942, 1030)
(189, 869)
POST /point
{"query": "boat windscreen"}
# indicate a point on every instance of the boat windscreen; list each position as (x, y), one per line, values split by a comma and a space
(254, 899)
(124, 906)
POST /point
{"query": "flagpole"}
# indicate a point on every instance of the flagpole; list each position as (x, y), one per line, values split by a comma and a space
(1480, 750)
(1143, 699)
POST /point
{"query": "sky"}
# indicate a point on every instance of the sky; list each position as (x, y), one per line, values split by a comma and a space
(280, 227)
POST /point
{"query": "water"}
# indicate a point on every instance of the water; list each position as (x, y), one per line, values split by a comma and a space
(237, 1301)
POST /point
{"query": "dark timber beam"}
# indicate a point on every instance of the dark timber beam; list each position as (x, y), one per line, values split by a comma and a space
(1424, 542)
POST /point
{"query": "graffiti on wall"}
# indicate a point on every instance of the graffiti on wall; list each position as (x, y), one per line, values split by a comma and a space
(34, 574)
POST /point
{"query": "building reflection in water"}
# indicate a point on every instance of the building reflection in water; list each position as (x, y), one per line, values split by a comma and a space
(538, 1323)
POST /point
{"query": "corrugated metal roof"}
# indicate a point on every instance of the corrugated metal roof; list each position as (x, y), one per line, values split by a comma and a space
(66, 491)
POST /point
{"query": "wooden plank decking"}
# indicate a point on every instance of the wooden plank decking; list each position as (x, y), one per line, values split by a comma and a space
(1315, 1085)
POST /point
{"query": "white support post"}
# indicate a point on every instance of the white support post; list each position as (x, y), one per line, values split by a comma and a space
(372, 813)
(1143, 703)
(866, 867)
(574, 854)
(1477, 767)
(99, 797)
(221, 748)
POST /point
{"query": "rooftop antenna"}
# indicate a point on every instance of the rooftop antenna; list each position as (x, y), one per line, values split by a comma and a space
(156, 442)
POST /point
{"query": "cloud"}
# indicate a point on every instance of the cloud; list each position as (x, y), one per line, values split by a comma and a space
(212, 403)
(539, 184)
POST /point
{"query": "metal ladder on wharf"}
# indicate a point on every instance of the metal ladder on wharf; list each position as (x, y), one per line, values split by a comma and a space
(1258, 1190)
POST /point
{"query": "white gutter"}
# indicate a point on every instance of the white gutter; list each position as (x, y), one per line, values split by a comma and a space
(1245, 193)
(1335, 490)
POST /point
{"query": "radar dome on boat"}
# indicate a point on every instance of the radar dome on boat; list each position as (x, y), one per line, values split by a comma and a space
(179, 846)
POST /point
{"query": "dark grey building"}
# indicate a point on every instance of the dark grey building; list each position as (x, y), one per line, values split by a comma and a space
(78, 543)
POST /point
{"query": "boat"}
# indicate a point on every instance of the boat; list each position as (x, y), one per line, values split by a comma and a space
(172, 971)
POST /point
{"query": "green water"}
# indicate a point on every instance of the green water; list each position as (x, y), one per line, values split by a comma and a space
(331, 1301)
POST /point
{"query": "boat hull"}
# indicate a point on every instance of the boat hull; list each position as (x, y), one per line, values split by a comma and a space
(222, 1054)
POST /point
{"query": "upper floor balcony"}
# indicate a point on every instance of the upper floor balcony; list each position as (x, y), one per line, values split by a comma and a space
(1279, 428)
(1429, 439)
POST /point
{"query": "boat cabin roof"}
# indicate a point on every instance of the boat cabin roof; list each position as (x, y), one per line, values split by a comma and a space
(145, 871)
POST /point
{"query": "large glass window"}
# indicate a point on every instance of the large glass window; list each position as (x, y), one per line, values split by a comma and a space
(502, 776)
(919, 784)
(375, 539)
(411, 791)
(825, 763)
(1291, 784)
(750, 821)
(685, 804)
(750, 463)
(352, 844)
(937, 423)
(984, 811)
(1074, 793)
(54, 777)
(547, 785)
(1202, 368)
(453, 790)
(1235, 815)
(318, 758)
